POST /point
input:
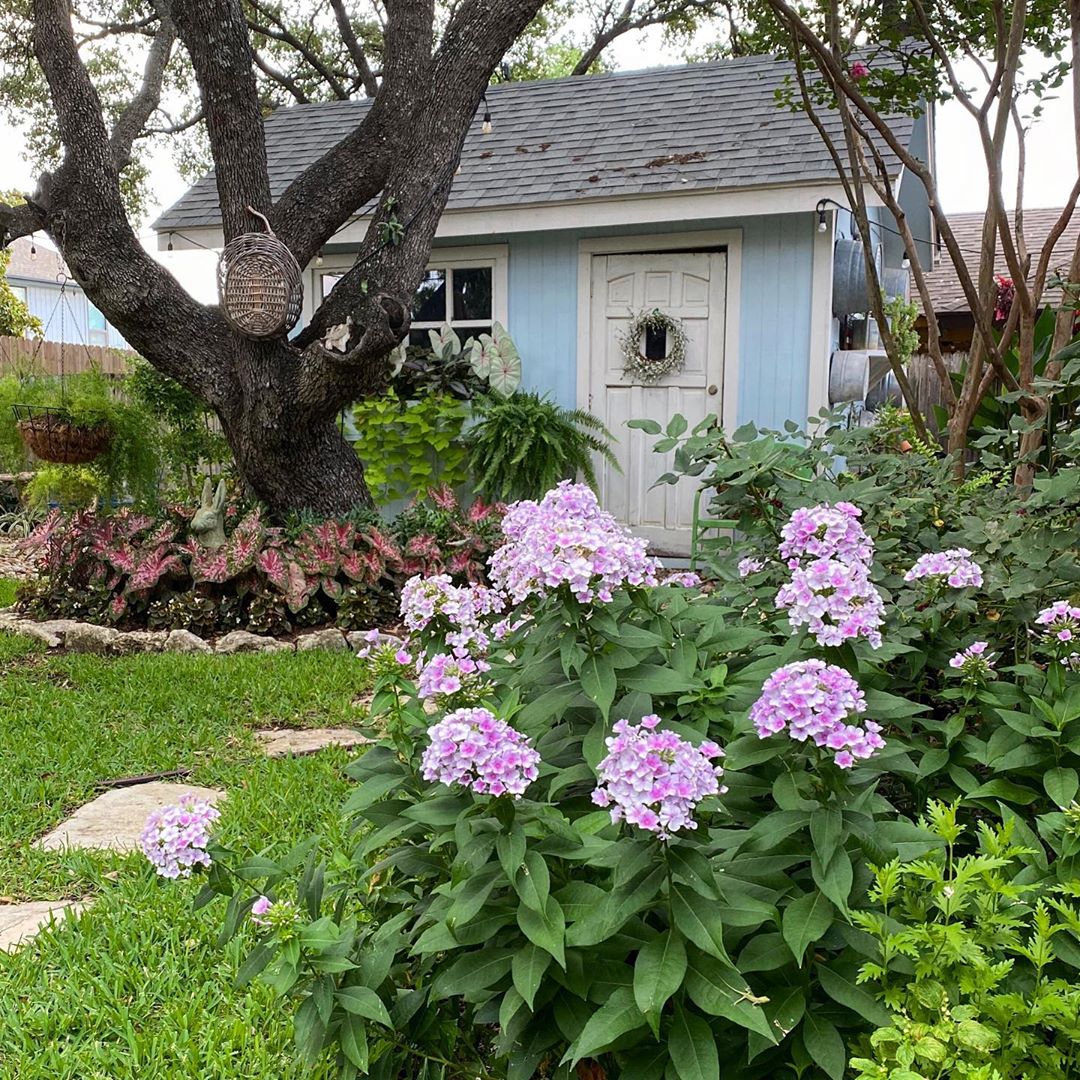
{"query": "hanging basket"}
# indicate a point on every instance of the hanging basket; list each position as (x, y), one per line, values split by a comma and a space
(259, 284)
(51, 435)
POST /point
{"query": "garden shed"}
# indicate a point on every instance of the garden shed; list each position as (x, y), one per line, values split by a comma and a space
(588, 199)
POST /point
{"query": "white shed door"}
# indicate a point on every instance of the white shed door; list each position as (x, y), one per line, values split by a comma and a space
(690, 287)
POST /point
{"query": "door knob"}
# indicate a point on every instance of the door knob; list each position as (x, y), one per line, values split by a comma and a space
(712, 389)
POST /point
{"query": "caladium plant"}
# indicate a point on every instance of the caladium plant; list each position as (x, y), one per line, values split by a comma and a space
(139, 570)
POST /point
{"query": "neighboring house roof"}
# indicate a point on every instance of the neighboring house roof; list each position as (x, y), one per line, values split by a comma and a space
(945, 290)
(703, 127)
(43, 266)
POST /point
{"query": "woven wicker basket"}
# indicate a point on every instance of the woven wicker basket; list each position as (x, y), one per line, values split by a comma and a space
(259, 284)
(54, 438)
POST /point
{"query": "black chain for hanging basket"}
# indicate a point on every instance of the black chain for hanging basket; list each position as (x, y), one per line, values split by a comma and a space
(52, 435)
(259, 284)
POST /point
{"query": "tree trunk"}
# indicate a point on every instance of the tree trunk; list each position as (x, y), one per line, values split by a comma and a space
(298, 466)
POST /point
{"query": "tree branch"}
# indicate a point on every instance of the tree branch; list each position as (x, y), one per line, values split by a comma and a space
(348, 36)
(134, 118)
(216, 38)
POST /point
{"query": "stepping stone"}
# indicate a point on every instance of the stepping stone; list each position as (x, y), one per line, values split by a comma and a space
(278, 742)
(115, 820)
(20, 922)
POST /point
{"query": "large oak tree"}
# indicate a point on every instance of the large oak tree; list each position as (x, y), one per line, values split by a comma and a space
(69, 74)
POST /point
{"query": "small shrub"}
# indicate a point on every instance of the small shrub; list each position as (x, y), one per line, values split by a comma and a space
(437, 535)
(522, 446)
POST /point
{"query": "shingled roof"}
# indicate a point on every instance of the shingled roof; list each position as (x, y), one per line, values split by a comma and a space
(703, 127)
(945, 289)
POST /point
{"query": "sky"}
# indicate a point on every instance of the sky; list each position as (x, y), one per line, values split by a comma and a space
(1049, 175)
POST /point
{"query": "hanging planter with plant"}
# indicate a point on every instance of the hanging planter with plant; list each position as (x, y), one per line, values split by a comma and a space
(52, 435)
(51, 432)
(639, 365)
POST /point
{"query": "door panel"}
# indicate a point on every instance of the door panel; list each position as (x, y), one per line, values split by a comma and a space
(690, 287)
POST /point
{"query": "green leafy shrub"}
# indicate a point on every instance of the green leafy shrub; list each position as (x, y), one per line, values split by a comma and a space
(968, 961)
(408, 448)
(522, 446)
(188, 439)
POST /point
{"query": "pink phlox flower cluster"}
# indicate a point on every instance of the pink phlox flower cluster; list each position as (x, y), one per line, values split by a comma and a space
(1061, 619)
(812, 700)
(835, 601)
(385, 651)
(261, 906)
(955, 565)
(567, 540)
(505, 627)
(444, 675)
(859, 70)
(686, 578)
(175, 838)
(973, 662)
(826, 532)
(654, 779)
(474, 748)
(750, 565)
(455, 612)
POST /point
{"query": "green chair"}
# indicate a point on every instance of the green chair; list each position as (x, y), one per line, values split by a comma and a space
(704, 524)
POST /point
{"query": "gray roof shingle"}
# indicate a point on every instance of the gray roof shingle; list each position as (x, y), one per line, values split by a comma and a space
(701, 127)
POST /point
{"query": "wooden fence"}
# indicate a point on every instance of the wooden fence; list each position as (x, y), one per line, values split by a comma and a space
(927, 385)
(24, 354)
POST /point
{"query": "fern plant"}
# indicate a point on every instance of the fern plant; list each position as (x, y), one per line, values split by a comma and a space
(524, 444)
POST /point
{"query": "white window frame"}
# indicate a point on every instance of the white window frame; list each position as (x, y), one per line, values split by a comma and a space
(495, 256)
(96, 335)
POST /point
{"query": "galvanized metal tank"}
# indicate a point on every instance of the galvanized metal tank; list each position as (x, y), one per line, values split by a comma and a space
(851, 293)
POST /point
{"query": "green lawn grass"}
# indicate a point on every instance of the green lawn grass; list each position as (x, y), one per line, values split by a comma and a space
(137, 987)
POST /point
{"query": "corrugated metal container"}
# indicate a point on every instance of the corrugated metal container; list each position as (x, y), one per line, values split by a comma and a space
(851, 292)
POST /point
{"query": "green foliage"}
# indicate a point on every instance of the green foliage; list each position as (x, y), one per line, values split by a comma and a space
(189, 442)
(523, 445)
(66, 485)
(902, 315)
(969, 961)
(408, 448)
(18, 390)
(15, 318)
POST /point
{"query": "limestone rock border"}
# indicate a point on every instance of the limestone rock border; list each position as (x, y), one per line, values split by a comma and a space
(83, 637)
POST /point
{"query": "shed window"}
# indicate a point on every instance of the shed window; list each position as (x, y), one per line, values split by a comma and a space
(459, 288)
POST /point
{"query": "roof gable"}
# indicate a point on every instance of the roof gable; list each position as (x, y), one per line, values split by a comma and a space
(702, 127)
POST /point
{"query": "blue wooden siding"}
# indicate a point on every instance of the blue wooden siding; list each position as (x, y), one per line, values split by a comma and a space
(774, 315)
(66, 320)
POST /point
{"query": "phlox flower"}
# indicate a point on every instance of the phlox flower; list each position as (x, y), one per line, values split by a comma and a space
(835, 601)
(826, 531)
(454, 613)
(686, 578)
(175, 838)
(567, 541)
(819, 702)
(654, 779)
(859, 70)
(1061, 627)
(955, 566)
(386, 652)
(750, 565)
(474, 748)
(444, 675)
(973, 662)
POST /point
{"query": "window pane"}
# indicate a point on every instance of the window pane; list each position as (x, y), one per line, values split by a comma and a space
(94, 318)
(19, 292)
(328, 282)
(472, 293)
(430, 302)
(655, 342)
(467, 332)
(418, 339)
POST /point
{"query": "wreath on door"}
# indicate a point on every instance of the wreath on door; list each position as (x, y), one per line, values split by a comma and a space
(649, 369)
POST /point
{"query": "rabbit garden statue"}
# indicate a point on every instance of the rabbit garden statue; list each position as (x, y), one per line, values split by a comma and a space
(208, 524)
